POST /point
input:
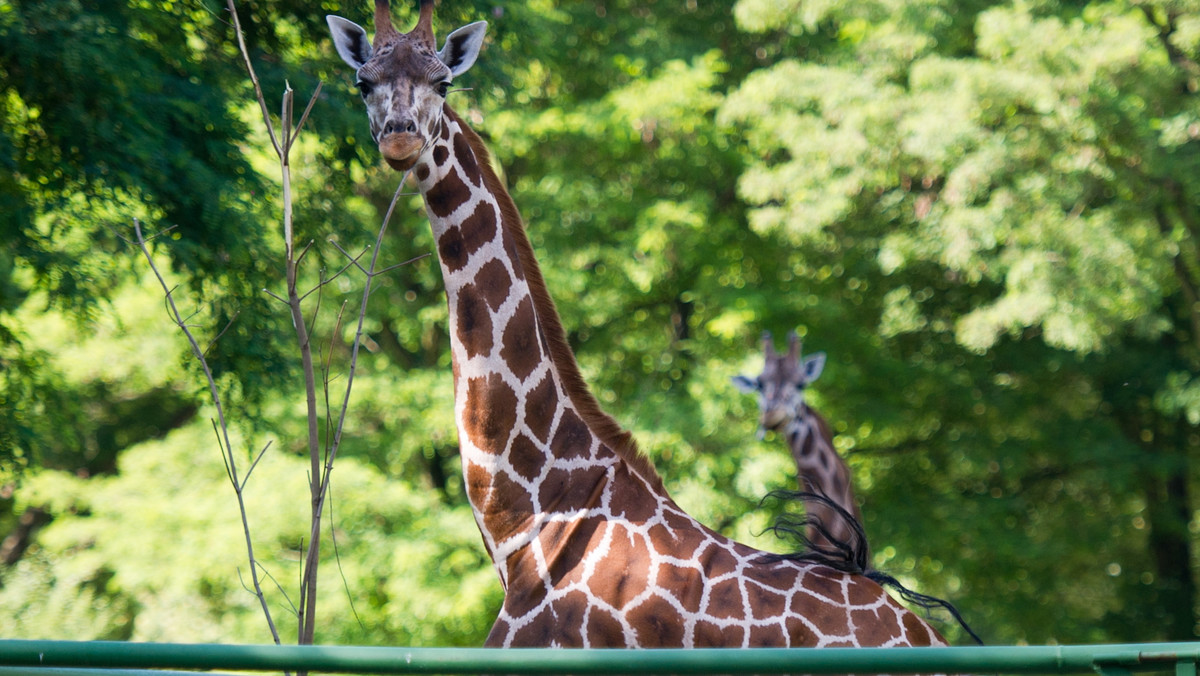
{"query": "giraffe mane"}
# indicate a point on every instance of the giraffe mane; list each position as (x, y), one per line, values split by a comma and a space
(609, 431)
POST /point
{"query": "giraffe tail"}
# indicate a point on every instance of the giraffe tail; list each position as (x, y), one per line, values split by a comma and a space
(922, 601)
(848, 556)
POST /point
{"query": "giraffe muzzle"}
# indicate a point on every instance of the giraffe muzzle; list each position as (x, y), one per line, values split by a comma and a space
(401, 149)
(773, 419)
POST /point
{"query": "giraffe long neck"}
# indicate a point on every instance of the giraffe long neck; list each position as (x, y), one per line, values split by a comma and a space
(822, 470)
(534, 441)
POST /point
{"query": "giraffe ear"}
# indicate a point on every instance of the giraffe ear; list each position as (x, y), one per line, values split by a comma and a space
(462, 47)
(744, 384)
(813, 365)
(350, 40)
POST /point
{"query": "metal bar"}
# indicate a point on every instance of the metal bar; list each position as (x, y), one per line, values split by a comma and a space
(353, 659)
(81, 671)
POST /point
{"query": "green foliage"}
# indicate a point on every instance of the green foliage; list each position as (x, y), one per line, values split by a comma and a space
(986, 213)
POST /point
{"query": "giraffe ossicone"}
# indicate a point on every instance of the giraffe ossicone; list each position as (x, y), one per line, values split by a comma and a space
(590, 549)
(780, 389)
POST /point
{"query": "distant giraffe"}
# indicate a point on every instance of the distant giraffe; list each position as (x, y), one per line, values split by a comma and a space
(590, 549)
(780, 389)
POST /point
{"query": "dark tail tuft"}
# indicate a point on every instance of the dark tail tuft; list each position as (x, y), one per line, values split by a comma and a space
(848, 557)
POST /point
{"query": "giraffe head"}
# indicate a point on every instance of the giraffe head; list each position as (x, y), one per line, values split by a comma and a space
(403, 78)
(780, 386)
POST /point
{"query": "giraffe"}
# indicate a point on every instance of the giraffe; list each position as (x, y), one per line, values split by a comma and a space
(590, 549)
(780, 389)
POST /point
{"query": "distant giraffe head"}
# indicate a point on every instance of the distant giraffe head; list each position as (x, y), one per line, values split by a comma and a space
(780, 386)
(403, 78)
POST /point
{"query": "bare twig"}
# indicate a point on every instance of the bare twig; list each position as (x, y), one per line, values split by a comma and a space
(262, 101)
(410, 261)
(254, 464)
(219, 425)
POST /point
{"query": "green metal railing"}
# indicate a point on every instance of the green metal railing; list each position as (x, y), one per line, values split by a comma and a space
(107, 658)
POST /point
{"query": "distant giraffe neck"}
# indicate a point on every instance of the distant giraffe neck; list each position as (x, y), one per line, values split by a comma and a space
(822, 470)
(533, 439)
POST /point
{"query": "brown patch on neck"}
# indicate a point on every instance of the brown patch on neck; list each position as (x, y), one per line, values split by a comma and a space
(600, 423)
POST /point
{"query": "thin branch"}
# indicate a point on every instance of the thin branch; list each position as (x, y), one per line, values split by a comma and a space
(219, 425)
(307, 109)
(258, 93)
(410, 261)
(254, 464)
(325, 282)
(353, 259)
(218, 336)
(362, 318)
(337, 556)
(274, 295)
(224, 458)
(303, 253)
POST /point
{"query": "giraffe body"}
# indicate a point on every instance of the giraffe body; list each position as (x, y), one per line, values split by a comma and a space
(590, 549)
(780, 389)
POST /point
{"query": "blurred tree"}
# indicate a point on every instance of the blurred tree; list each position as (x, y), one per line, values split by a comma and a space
(1016, 187)
(984, 213)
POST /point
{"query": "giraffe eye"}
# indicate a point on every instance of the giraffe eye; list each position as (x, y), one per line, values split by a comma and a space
(365, 88)
(443, 88)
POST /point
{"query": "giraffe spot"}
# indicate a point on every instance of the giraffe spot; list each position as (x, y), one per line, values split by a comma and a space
(569, 612)
(864, 592)
(489, 413)
(520, 349)
(572, 439)
(466, 159)
(779, 579)
(514, 255)
(440, 155)
(526, 590)
(624, 571)
(495, 283)
(765, 603)
(829, 617)
(541, 631)
(720, 562)
(480, 227)
(685, 584)
(452, 250)
(710, 635)
(508, 507)
(604, 631)
(676, 539)
(447, 195)
(479, 484)
(823, 586)
(918, 633)
(767, 636)
(458, 244)
(498, 635)
(566, 491)
(526, 457)
(540, 405)
(806, 446)
(656, 623)
(876, 628)
(799, 635)
(564, 544)
(474, 322)
(422, 172)
(639, 506)
(445, 131)
(725, 600)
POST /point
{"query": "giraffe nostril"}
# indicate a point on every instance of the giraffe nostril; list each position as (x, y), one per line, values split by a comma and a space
(399, 127)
